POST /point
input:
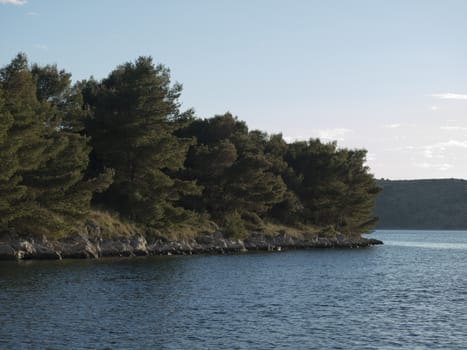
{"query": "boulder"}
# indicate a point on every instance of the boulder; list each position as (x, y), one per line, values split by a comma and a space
(116, 247)
(24, 246)
(77, 248)
(7, 252)
(44, 251)
(140, 245)
(157, 247)
(236, 246)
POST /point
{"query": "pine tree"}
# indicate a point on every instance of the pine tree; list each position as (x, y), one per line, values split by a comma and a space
(312, 177)
(23, 146)
(59, 183)
(42, 187)
(355, 207)
(236, 174)
(333, 185)
(136, 113)
(10, 190)
(288, 210)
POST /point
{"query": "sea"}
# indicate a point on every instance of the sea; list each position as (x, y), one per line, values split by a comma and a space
(410, 293)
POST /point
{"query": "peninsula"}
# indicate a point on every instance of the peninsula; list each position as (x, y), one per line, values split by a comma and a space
(115, 167)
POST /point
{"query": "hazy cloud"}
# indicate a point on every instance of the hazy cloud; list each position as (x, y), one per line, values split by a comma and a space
(392, 126)
(13, 2)
(41, 47)
(31, 13)
(290, 139)
(452, 143)
(454, 128)
(434, 108)
(437, 166)
(336, 134)
(450, 96)
(437, 150)
(370, 156)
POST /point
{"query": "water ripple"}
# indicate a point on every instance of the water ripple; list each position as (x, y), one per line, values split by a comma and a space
(397, 296)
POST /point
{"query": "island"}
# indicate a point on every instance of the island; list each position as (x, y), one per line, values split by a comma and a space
(116, 168)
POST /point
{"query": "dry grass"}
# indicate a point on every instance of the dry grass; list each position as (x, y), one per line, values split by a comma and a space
(111, 225)
(299, 232)
(190, 230)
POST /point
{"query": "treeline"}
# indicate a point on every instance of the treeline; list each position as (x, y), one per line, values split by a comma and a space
(122, 144)
(422, 204)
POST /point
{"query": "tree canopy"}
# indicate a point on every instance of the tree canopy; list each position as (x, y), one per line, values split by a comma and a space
(124, 144)
(42, 185)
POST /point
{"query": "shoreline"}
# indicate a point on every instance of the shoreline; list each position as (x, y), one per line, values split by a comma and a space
(83, 247)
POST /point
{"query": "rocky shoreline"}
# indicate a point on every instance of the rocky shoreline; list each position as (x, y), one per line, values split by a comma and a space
(82, 246)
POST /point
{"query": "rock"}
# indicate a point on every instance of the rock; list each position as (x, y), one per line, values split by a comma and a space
(235, 246)
(163, 248)
(282, 239)
(92, 229)
(373, 241)
(44, 251)
(29, 248)
(205, 239)
(7, 252)
(113, 248)
(26, 247)
(81, 246)
(77, 248)
(140, 245)
(156, 248)
(256, 242)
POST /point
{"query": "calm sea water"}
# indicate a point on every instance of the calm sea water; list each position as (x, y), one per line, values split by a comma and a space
(410, 293)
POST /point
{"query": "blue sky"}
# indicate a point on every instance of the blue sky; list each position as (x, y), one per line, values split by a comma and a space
(388, 76)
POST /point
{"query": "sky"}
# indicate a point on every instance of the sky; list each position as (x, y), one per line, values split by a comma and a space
(388, 76)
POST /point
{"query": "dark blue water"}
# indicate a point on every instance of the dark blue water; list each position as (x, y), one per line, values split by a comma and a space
(410, 293)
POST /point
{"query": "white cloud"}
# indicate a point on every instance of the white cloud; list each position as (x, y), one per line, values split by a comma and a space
(452, 143)
(370, 156)
(41, 47)
(437, 150)
(434, 108)
(336, 134)
(437, 166)
(290, 139)
(454, 128)
(392, 126)
(13, 2)
(450, 96)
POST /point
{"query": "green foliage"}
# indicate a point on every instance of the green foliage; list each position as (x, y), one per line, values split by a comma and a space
(42, 187)
(235, 170)
(124, 144)
(135, 113)
(333, 187)
(234, 226)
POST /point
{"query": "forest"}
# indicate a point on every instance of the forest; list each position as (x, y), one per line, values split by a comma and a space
(121, 147)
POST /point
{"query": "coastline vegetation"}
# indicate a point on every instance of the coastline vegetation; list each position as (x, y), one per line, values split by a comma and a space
(121, 153)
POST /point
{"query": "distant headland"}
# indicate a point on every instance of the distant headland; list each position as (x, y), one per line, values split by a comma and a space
(422, 204)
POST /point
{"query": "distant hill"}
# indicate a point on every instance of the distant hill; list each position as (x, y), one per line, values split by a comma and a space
(422, 204)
